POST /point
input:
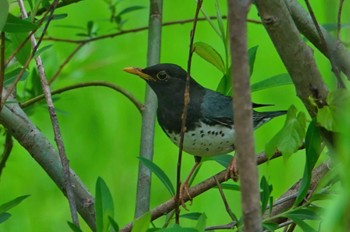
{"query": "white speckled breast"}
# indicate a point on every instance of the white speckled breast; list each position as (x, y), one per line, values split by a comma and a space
(206, 140)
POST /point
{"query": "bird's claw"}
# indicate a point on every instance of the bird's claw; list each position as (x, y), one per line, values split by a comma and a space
(232, 170)
(184, 190)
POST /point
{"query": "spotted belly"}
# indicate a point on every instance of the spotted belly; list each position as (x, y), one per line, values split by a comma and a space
(206, 140)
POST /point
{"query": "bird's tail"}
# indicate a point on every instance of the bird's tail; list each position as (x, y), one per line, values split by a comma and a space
(260, 118)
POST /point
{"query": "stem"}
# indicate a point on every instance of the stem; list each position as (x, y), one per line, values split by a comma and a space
(53, 116)
(149, 112)
(242, 108)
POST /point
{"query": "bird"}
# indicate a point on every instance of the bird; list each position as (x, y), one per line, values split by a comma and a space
(209, 123)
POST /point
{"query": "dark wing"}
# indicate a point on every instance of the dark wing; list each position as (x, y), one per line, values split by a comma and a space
(217, 108)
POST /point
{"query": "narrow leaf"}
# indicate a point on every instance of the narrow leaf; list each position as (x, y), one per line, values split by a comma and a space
(270, 226)
(274, 81)
(114, 224)
(129, 9)
(191, 216)
(11, 76)
(302, 214)
(43, 49)
(9, 205)
(265, 193)
(220, 21)
(313, 151)
(303, 225)
(74, 227)
(17, 25)
(201, 223)
(252, 55)
(4, 11)
(159, 173)
(290, 137)
(224, 160)
(142, 223)
(15, 40)
(209, 54)
(104, 206)
(4, 217)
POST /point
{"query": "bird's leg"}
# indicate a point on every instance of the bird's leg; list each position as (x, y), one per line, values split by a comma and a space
(184, 188)
(232, 170)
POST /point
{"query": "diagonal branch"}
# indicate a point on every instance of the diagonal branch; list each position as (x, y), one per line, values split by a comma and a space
(27, 134)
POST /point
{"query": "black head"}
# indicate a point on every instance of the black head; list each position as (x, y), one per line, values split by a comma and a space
(163, 78)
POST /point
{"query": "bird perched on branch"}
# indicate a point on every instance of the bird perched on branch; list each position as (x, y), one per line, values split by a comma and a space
(209, 125)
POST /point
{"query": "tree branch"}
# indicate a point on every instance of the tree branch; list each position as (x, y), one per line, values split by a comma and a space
(243, 122)
(305, 25)
(52, 113)
(149, 113)
(28, 135)
(200, 188)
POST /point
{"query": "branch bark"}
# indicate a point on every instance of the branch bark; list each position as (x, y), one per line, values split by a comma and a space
(149, 112)
(295, 54)
(26, 133)
(337, 50)
(243, 123)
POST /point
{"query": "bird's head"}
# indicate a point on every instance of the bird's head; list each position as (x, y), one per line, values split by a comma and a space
(162, 77)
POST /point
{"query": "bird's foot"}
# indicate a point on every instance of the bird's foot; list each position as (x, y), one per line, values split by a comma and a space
(232, 170)
(184, 193)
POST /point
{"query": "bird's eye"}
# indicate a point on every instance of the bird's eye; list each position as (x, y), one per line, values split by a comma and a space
(162, 75)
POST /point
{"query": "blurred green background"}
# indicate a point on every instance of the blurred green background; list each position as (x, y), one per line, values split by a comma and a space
(101, 128)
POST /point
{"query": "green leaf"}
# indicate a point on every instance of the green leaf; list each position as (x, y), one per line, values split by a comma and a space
(313, 151)
(24, 53)
(225, 85)
(331, 115)
(74, 227)
(201, 223)
(191, 216)
(209, 54)
(177, 228)
(17, 25)
(265, 193)
(114, 224)
(43, 49)
(224, 160)
(211, 23)
(142, 223)
(4, 11)
(234, 187)
(270, 226)
(10, 77)
(274, 81)
(159, 173)
(4, 217)
(251, 56)
(9, 205)
(290, 137)
(220, 21)
(129, 9)
(302, 214)
(104, 206)
(303, 225)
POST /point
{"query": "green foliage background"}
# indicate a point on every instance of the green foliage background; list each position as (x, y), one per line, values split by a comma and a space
(101, 128)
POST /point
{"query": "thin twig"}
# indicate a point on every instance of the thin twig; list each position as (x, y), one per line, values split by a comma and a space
(340, 10)
(184, 114)
(2, 65)
(7, 151)
(52, 112)
(132, 98)
(65, 62)
(227, 207)
(112, 35)
(335, 68)
(59, 5)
